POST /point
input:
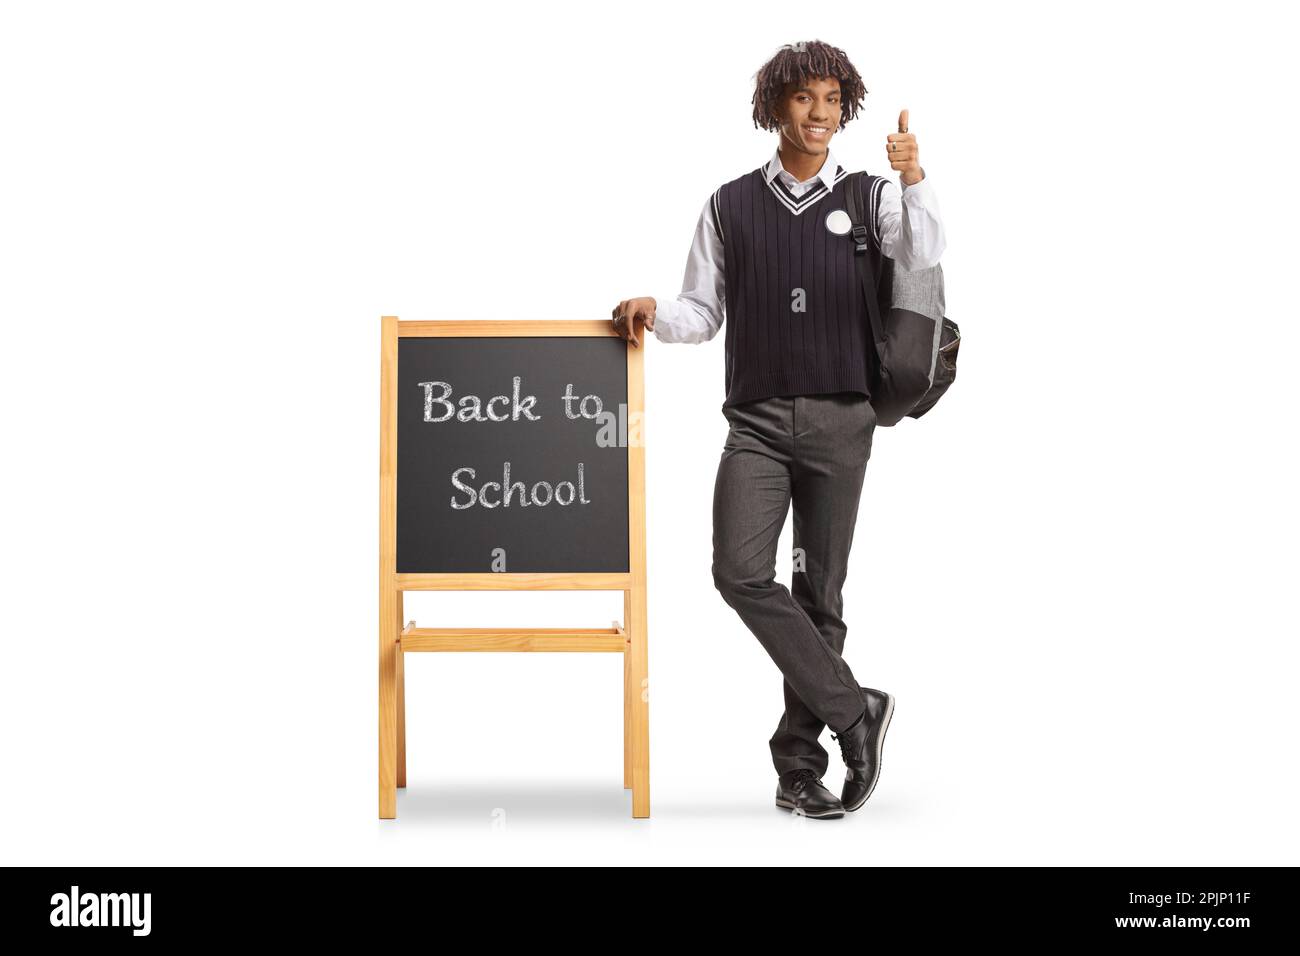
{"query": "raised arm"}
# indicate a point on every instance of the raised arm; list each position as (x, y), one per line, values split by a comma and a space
(908, 222)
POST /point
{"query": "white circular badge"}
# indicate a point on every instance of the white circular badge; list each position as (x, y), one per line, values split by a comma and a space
(838, 222)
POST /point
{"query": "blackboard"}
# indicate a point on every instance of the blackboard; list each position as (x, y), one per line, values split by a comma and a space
(572, 472)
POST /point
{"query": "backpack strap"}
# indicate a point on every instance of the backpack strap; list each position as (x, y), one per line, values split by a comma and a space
(862, 231)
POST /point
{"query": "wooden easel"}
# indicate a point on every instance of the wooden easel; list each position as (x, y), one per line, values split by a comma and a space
(395, 641)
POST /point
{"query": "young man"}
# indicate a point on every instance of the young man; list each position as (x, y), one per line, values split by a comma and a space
(772, 254)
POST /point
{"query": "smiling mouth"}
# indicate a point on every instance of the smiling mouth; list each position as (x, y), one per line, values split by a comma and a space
(817, 130)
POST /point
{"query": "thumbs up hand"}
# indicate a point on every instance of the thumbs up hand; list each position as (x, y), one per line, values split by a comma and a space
(903, 155)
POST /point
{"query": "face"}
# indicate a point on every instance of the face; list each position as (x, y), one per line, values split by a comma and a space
(810, 114)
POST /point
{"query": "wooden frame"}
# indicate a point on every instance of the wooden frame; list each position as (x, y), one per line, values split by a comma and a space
(395, 641)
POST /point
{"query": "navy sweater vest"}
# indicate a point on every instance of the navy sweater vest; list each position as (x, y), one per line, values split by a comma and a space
(797, 323)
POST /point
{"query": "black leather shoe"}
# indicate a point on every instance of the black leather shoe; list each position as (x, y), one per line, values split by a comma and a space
(802, 791)
(860, 746)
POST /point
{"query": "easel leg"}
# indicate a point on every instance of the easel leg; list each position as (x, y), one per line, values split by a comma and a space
(388, 629)
(628, 695)
(400, 664)
(637, 680)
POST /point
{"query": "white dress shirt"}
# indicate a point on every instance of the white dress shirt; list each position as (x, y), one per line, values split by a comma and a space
(907, 222)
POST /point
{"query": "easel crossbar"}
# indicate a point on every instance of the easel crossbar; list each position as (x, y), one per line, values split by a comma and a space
(566, 639)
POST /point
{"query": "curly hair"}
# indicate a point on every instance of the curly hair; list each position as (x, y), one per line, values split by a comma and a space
(798, 63)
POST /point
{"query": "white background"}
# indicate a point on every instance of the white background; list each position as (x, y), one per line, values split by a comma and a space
(1076, 574)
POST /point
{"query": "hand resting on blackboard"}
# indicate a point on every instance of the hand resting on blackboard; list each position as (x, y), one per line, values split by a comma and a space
(631, 315)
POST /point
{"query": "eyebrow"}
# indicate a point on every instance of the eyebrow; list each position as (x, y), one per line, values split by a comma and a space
(804, 89)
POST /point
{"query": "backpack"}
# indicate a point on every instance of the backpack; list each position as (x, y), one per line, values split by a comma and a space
(915, 344)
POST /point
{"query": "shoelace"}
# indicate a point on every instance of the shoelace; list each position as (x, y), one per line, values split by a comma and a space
(801, 778)
(844, 742)
(844, 745)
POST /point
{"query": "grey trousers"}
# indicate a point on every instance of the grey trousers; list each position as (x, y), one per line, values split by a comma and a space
(812, 451)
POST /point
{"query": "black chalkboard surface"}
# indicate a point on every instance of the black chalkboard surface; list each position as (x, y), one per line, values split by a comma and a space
(568, 505)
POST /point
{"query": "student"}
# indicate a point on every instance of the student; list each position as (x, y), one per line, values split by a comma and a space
(770, 253)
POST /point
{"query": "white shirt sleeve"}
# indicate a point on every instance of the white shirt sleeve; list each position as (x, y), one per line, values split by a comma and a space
(911, 229)
(698, 312)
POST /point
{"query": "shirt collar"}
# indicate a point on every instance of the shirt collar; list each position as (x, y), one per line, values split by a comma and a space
(826, 174)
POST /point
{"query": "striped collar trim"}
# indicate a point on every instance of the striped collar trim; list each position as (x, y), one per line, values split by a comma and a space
(778, 178)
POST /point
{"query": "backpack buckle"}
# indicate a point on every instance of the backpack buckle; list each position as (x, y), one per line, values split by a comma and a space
(859, 239)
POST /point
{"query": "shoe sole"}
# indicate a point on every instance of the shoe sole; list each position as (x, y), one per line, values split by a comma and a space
(880, 749)
(824, 815)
